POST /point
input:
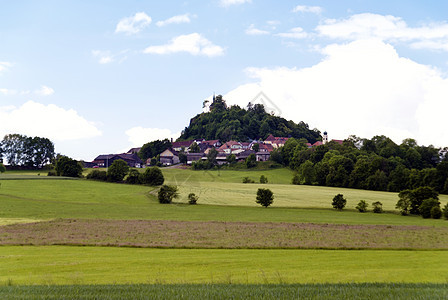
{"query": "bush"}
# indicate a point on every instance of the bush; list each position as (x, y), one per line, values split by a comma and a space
(263, 179)
(97, 175)
(52, 173)
(426, 206)
(65, 166)
(265, 197)
(377, 207)
(248, 180)
(339, 202)
(192, 198)
(251, 161)
(117, 170)
(2, 168)
(133, 177)
(362, 206)
(152, 176)
(445, 211)
(436, 212)
(296, 179)
(167, 193)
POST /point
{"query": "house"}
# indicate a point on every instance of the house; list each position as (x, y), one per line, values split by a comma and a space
(105, 160)
(183, 145)
(263, 155)
(276, 142)
(191, 157)
(169, 157)
(265, 148)
(244, 154)
(230, 147)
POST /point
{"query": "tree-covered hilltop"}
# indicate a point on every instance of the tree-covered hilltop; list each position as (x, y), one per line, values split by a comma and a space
(235, 123)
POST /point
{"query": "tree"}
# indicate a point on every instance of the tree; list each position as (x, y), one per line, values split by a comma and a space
(194, 148)
(265, 197)
(117, 170)
(65, 166)
(362, 206)
(445, 211)
(306, 173)
(2, 168)
(256, 147)
(182, 158)
(30, 152)
(404, 202)
(152, 176)
(192, 198)
(426, 207)
(167, 193)
(211, 156)
(154, 148)
(339, 202)
(231, 159)
(251, 161)
(133, 177)
(377, 207)
(436, 212)
(418, 195)
(263, 179)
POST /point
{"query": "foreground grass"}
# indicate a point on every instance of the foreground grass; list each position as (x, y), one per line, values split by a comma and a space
(28, 265)
(224, 291)
(49, 199)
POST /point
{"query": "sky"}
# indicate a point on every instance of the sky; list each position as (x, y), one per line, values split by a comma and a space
(100, 77)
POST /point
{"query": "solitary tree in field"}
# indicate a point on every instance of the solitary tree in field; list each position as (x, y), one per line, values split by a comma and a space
(377, 207)
(167, 193)
(192, 198)
(265, 197)
(362, 206)
(339, 202)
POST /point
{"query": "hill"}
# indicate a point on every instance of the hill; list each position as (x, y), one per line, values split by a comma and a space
(235, 123)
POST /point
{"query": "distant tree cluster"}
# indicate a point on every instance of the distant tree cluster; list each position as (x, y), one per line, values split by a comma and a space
(153, 149)
(68, 167)
(235, 123)
(28, 152)
(376, 164)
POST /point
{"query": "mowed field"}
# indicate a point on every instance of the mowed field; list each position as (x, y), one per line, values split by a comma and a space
(79, 232)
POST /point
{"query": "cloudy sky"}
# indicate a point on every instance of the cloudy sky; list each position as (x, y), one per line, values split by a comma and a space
(103, 76)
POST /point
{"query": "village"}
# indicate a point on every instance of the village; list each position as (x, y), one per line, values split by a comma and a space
(198, 149)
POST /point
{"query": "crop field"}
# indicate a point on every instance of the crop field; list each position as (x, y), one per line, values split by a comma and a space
(88, 238)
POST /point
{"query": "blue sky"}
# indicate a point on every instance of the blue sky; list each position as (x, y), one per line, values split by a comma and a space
(103, 76)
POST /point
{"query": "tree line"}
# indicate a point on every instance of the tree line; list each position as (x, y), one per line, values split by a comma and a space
(372, 164)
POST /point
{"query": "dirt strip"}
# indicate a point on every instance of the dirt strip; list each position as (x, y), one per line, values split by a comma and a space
(185, 234)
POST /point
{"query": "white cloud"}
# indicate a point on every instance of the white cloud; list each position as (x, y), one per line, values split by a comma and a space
(387, 28)
(44, 91)
(307, 9)
(104, 57)
(139, 136)
(185, 18)
(4, 66)
(294, 33)
(363, 88)
(8, 92)
(134, 24)
(194, 44)
(51, 121)
(254, 31)
(227, 3)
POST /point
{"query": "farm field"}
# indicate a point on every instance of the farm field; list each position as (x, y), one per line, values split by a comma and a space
(27, 265)
(93, 238)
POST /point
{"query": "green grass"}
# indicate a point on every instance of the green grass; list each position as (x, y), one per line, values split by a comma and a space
(28, 265)
(226, 291)
(48, 199)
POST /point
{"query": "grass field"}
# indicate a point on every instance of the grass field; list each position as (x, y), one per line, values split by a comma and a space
(25, 265)
(233, 291)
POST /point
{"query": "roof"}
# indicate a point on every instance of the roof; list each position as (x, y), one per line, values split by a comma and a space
(270, 138)
(170, 150)
(134, 150)
(182, 144)
(267, 147)
(124, 156)
(338, 141)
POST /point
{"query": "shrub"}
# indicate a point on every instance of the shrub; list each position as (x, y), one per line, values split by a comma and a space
(65, 166)
(133, 177)
(152, 176)
(296, 179)
(97, 175)
(248, 180)
(339, 202)
(265, 197)
(251, 161)
(192, 198)
(263, 179)
(167, 193)
(117, 170)
(436, 212)
(2, 168)
(426, 206)
(445, 211)
(377, 207)
(362, 206)
(52, 173)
